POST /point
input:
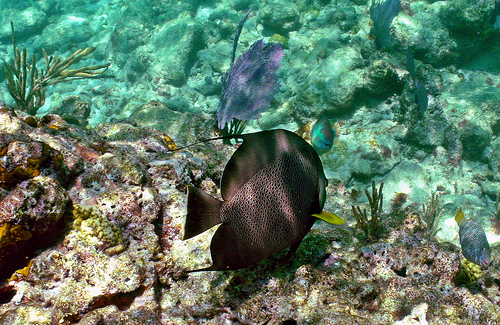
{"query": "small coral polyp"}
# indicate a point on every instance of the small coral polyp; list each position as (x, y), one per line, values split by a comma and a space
(92, 228)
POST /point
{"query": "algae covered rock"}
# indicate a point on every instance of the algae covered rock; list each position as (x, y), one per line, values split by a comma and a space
(31, 218)
(24, 158)
(74, 110)
(178, 41)
(280, 17)
(474, 140)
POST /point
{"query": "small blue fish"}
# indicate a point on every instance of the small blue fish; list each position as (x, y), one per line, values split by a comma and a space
(322, 135)
(473, 240)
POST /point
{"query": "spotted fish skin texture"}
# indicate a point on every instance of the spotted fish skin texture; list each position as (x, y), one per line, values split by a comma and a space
(271, 187)
(475, 246)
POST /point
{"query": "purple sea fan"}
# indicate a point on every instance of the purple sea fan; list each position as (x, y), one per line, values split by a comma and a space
(251, 83)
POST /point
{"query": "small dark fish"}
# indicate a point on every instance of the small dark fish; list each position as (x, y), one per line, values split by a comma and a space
(410, 63)
(420, 90)
(322, 135)
(421, 97)
(473, 240)
(273, 189)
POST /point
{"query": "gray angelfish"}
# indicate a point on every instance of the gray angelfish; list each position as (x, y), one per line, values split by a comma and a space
(273, 190)
(473, 240)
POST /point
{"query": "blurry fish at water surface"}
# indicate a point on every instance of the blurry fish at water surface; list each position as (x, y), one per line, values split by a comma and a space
(382, 13)
(473, 240)
(273, 190)
(322, 135)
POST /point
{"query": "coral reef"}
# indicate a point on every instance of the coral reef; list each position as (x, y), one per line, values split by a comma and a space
(31, 218)
(107, 144)
(122, 258)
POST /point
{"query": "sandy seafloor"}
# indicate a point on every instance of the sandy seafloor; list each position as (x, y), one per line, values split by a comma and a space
(167, 59)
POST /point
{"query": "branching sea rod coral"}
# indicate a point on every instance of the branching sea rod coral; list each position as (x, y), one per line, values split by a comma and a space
(26, 84)
(432, 213)
(372, 226)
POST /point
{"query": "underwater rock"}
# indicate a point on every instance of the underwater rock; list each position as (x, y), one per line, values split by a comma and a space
(429, 131)
(144, 139)
(31, 218)
(409, 178)
(470, 23)
(112, 315)
(383, 80)
(120, 168)
(474, 140)
(177, 41)
(279, 17)
(24, 158)
(333, 84)
(417, 316)
(74, 110)
(188, 127)
(343, 17)
(494, 158)
(27, 21)
(24, 314)
(69, 33)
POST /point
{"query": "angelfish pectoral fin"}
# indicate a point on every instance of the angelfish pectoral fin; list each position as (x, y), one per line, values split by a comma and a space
(330, 218)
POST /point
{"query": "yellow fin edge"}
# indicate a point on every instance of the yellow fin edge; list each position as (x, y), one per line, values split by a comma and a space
(459, 218)
(330, 218)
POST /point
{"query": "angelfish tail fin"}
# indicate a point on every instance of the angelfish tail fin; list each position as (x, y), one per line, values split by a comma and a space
(203, 212)
(330, 218)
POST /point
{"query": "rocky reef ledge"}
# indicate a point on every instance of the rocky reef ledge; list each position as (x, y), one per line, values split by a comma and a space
(90, 233)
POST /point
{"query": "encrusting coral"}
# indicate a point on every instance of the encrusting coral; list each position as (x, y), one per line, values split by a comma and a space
(468, 274)
(92, 228)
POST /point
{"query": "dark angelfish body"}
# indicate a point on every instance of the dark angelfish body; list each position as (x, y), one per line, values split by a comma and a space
(273, 189)
(473, 240)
